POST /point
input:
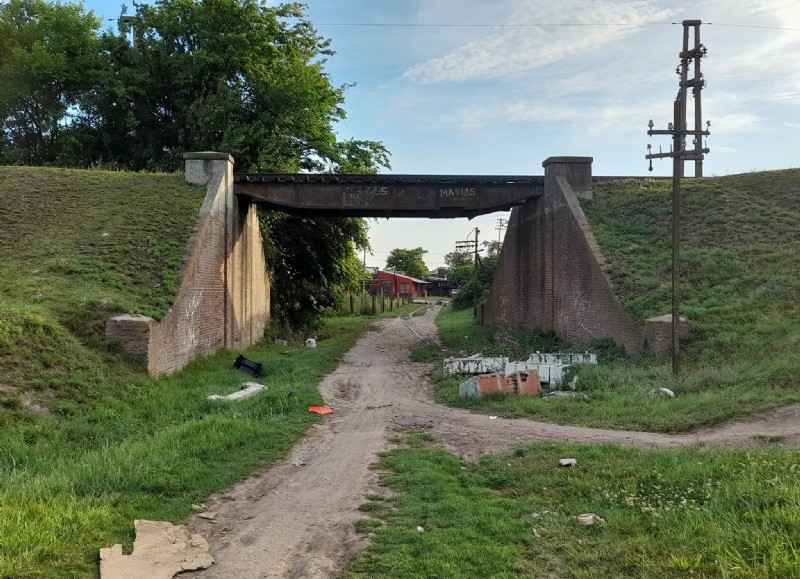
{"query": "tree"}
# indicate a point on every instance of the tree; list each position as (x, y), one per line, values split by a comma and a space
(493, 248)
(49, 54)
(230, 75)
(312, 262)
(466, 294)
(456, 259)
(408, 261)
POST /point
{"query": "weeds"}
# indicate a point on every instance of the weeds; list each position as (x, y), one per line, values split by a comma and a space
(741, 252)
(669, 513)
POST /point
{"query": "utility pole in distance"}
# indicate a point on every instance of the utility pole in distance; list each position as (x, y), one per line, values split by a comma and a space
(501, 225)
(472, 246)
(678, 131)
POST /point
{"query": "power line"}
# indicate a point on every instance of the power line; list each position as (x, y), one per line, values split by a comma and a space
(751, 26)
(484, 25)
(537, 25)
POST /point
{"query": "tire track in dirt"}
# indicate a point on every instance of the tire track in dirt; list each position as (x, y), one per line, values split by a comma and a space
(295, 521)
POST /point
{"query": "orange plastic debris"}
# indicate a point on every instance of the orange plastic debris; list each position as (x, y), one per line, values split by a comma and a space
(320, 409)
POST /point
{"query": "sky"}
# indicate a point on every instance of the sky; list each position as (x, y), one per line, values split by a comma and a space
(494, 87)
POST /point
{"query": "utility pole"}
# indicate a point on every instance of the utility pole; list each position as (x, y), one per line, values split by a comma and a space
(501, 225)
(472, 246)
(678, 153)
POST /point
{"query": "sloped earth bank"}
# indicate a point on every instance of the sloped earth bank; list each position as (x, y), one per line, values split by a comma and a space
(296, 519)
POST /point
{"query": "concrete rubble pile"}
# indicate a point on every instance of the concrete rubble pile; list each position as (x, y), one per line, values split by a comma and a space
(499, 375)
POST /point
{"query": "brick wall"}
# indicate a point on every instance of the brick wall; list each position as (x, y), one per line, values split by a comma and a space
(223, 299)
(550, 276)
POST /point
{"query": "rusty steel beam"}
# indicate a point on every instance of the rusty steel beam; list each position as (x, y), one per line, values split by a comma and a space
(436, 196)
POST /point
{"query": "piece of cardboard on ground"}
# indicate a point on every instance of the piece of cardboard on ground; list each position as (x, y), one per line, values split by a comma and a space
(161, 551)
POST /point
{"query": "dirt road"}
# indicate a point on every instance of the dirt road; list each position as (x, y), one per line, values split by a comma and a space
(297, 521)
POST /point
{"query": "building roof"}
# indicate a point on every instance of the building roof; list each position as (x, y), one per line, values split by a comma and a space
(401, 274)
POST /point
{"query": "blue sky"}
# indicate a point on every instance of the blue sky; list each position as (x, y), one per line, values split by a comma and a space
(566, 77)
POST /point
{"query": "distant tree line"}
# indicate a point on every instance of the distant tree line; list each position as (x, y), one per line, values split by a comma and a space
(236, 76)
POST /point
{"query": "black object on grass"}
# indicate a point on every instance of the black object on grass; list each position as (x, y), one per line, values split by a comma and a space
(248, 366)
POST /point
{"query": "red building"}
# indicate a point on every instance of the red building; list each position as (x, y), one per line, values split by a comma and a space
(398, 283)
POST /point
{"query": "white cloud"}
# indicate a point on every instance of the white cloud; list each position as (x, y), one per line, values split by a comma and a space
(737, 123)
(513, 50)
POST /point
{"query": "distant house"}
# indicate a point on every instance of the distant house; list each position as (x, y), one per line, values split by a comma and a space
(441, 286)
(398, 283)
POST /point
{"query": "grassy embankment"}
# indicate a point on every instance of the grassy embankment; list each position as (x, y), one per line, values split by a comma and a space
(740, 282)
(88, 442)
(677, 513)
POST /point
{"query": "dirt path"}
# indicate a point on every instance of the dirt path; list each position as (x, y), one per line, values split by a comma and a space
(297, 521)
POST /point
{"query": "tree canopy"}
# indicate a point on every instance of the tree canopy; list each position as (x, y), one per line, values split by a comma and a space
(408, 261)
(456, 259)
(189, 75)
(236, 76)
(49, 55)
(464, 275)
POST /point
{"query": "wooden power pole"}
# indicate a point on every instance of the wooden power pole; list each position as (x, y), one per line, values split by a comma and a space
(679, 153)
(471, 245)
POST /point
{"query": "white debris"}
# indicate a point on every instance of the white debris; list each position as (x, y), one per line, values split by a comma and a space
(589, 519)
(493, 418)
(560, 394)
(666, 392)
(551, 368)
(248, 389)
(420, 529)
(298, 462)
(567, 462)
(536, 534)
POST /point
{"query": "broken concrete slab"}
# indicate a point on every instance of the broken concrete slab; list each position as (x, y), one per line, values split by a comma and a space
(552, 374)
(469, 389)
(550, 368)
(248, 390)
(475, 365)
(565, 359)
(521, 383)
(161, 551)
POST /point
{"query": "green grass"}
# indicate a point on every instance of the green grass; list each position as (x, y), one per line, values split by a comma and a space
(679, 513)
(114, 444)
(740, 257)
(620, 390)
(739, 288)
(74, 480)
(118, 237)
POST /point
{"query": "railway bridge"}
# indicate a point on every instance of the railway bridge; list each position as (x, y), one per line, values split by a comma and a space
(551, 275)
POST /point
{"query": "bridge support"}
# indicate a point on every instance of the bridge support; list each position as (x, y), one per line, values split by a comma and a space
(551, 275)
(223, 299)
